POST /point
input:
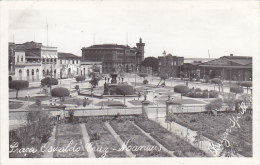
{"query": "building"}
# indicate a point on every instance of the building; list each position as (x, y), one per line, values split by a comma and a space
(236, 68)
(114, 58)
(170, 64)
(70, 65)
(31, 61)
(197, 60)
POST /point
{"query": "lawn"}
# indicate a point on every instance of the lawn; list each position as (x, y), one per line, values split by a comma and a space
(110, 103)
(34, 98)
(106, 141)
(139, 102)
(213, 127)
(15, 105)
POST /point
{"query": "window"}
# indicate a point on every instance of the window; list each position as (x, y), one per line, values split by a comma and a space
(72, 61)
(174, 63)
(77, 61)
(22, 59)
(17, 58)
(60, 61)
(43, 60)
(55, 60)
(51, 60)
(47, 60)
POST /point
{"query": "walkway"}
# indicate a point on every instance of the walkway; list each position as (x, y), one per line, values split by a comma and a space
(86, 140)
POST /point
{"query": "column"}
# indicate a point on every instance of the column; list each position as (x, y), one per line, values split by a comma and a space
(145, 108)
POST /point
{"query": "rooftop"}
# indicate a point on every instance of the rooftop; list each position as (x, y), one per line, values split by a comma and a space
(109, 46)
(67, 55)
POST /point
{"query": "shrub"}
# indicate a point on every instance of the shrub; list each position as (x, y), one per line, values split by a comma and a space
(246, 84)
(214, 105)
(197, 90)
(236, 89)
(60, 92)
(216, 81)
(80, 78)
(182, 89)
(18, 84)
(143, 75)
(124, 89)
(48, 81)
(213, 94)
(145, 82)
(76, 87)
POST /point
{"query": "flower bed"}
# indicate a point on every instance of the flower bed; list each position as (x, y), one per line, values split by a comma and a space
(129, 133)
(66, 134)
(213, 127)
(169, 140)
(106, 141)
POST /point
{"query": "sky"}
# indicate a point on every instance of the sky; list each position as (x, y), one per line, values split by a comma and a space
(192, 29)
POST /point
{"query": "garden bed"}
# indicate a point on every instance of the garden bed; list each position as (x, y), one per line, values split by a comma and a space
(213, 127)
(135, 138)
(15, 105)
(66, 133)
(105, 140)
(169, 140)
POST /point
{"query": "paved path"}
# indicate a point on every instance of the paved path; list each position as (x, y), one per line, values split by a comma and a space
(86, 139)
(51, 143)
(159, 144)
(118, 139)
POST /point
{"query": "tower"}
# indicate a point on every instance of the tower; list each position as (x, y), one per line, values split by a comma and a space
(140, 48)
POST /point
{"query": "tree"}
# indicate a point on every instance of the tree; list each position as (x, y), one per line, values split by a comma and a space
(95, 78)
(143, 75)
(80, 78)
(151, 62)
(60, 92)
(124, 89)
(163, 77)
(216, 81)
(214, 105)
(181, 89)
(236, 89)
(18, 84)
(48, 81)
(246, 84)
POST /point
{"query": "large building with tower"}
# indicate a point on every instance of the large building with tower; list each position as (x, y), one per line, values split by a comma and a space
(115, 58)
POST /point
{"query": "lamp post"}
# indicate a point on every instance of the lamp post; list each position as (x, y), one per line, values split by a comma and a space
(28, 97)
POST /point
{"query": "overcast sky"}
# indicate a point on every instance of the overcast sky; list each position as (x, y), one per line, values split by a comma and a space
(186, 28)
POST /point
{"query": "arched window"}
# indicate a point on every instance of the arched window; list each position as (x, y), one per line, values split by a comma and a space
(37, 74)
(47, 72)
(17, 58)
(22, 59)
(43, 60)
(20, 74)
(43, 72)
(28, 74)
(32, 74)
(51, 60)
(54, 73)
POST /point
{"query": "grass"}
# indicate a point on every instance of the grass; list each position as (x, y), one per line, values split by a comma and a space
(15, 105)
(34, 98)
(139, 102)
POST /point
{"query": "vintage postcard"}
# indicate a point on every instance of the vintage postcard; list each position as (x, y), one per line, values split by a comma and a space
(162, 82)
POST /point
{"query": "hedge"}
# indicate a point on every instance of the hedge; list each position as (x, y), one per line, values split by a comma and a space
(182, 89)
(80, 78)
(60, 92)
(124, 89)
(236, 89)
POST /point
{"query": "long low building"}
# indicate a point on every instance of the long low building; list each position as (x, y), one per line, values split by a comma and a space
(236, 68)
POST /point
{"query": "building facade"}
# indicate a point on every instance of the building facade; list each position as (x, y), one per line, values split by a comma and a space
(115, 58)
(70, 65)
(233, 68)
(170, 64)
(32, 61)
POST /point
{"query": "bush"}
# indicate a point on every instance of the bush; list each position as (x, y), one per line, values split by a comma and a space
(18, 84)
(197, 90)
(216, 81)
(80, 78)
(182, 89)
(60, 92)
(48, 81)
(213, 94)
(76, 87)
(143, 75)
(246, 84)
(145, 82)
(214, 105)
(124, 89)
(236, 89)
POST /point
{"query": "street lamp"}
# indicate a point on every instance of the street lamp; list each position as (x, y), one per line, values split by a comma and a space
(28, 95)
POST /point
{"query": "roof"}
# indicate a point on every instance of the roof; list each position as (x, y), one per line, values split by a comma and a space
(29, 54)
(28, 45)
(243, 60)
(109, 46)
(67, 55)
(230, 61)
